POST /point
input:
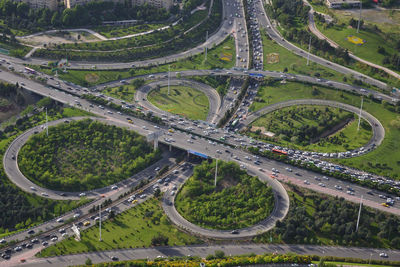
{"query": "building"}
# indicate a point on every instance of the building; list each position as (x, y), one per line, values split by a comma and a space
(50, 4)
(343, 3)
(156, 3)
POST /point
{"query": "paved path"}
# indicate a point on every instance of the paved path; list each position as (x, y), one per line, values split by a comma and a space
(313, 28)
(281, 208)
(101, 37)
(214, 98)
(377, 128)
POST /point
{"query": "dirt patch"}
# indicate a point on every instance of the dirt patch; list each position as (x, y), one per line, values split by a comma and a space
(92, 77)
(225, 56)
(272, 58)
(339, 127)
(263, 131)
(226, 182)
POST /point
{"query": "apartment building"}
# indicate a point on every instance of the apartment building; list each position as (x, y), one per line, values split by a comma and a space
(50, 4)
(343, 3)
(156, 3)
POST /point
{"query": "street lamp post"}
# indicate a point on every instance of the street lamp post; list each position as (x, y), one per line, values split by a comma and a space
(100, 223)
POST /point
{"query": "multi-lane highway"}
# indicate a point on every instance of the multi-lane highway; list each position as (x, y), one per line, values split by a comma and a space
(179, 139)
(205, 250)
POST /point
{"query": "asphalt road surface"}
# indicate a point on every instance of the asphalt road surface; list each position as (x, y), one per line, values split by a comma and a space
(214, 98)
(204, 250)
(281, 208)
(377, 128)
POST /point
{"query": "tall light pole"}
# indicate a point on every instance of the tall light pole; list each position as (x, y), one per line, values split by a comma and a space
(216, 173)
(359, 213)
(47, 124)
(359, 116)
(359, 20)
(205, 58)
(100, 223)
(309, 49)
(169, 75)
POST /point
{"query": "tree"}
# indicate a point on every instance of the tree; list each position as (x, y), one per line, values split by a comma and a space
(88, 261)
(219, 254)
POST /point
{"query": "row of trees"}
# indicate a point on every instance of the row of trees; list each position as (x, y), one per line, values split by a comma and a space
(335, 218)
(19, 15)
(84, 155)
(238, 200)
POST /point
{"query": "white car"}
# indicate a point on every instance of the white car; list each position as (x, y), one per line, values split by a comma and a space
(82, 194)
(76, 215)
(383, 255)
(114, 187)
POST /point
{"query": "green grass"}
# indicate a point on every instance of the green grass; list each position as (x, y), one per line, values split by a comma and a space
(342, 263)
(183, 100)
(385, 160)
(81, 77)
(367, 51)
(292, 125)
(123, 92)
(73, 112)
(294, 63)
(134, 228)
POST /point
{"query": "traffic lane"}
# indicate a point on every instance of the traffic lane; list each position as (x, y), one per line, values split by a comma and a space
(263, 18)
(266, 164)
(63, 95)
(204, 250)
(53, 225)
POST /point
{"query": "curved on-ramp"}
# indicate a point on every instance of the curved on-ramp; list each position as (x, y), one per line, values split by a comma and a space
(281, 208)
(11, 169)
(377, 128)
(214, 98)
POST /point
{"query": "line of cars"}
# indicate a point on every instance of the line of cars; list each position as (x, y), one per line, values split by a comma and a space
(256, 40)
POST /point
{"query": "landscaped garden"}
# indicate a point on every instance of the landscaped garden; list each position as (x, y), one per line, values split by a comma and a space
(239, 200)
(182, 100)
(325, 220)
(84, 155)
(126, 91)
(157, 44)
(95, 77)
(278, 58)
(316, 128)
(384, 160)
(144, 225)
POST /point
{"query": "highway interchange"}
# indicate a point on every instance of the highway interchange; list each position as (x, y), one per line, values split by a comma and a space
(69, 95)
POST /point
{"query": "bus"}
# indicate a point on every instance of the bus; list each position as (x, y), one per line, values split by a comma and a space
(30, 71)
(280, 152)
(234, 123)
